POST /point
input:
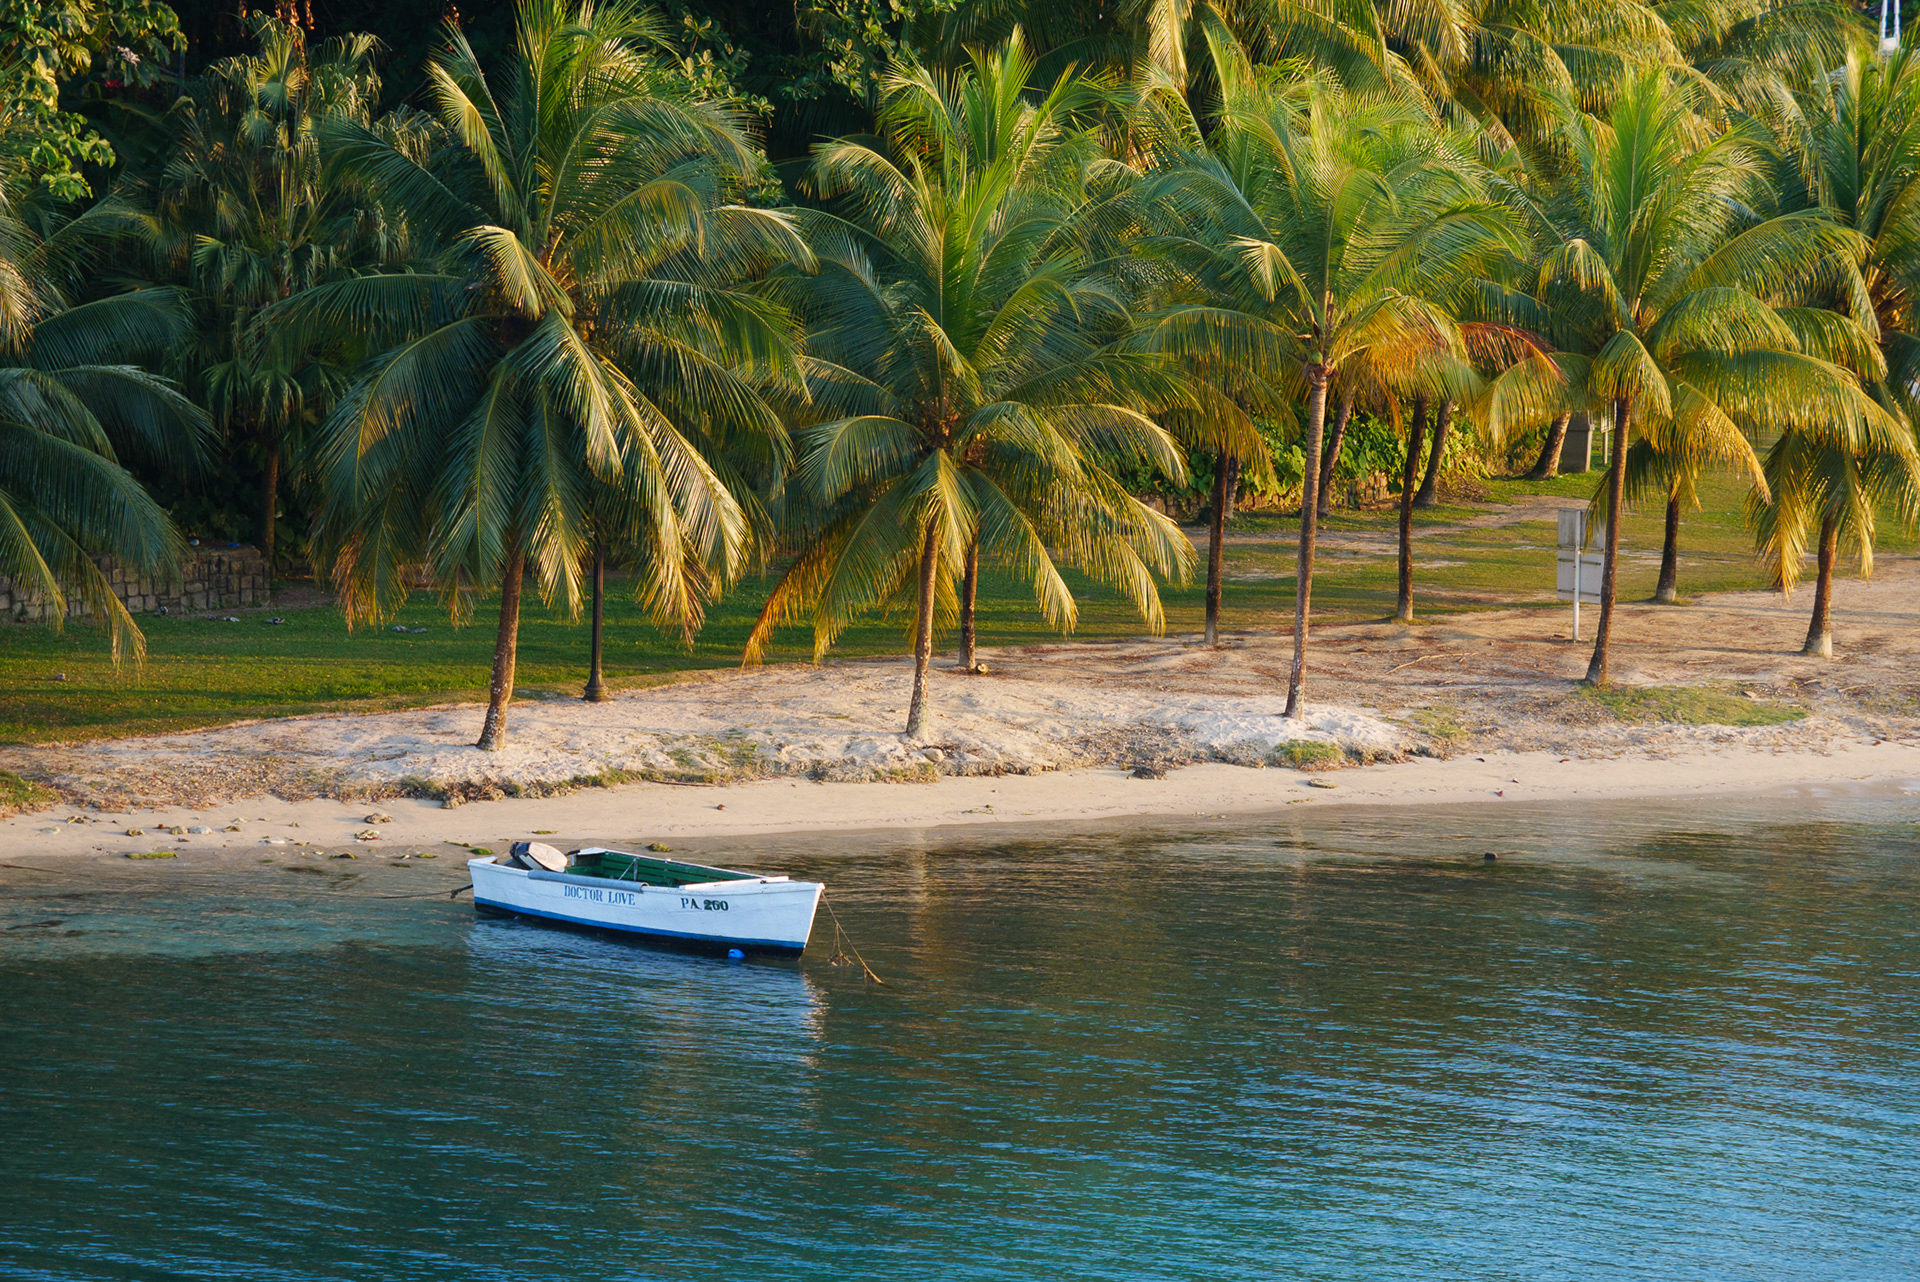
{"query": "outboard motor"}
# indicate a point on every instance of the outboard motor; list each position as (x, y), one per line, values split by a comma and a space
(538, 854)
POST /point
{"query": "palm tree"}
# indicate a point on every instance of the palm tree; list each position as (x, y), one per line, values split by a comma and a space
(74, 401)
(1827, 488)
(1669, 458)
(1160, 129)
(584, 340)
(1347, 40)
(1753, 58)
(1547, 465)
(1439, 382)
(1657, 295)
(247, 217)
(1858, 152)
(966, 389)
(1858, 148)
(1323, 223)
(1409, 470)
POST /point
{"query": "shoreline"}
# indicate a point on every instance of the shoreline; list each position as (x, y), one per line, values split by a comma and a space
(640, 812)
(1712, 698)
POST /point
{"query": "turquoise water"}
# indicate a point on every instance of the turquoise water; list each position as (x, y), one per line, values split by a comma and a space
(1646, 1042)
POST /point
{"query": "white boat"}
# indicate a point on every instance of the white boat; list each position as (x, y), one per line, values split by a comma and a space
(663, 899)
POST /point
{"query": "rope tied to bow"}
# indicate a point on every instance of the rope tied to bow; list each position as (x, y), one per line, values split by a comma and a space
(842, 942)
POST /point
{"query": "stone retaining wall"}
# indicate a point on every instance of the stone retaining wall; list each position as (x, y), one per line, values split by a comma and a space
(211, 579)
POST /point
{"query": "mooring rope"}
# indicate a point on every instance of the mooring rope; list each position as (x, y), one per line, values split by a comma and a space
(840, 937)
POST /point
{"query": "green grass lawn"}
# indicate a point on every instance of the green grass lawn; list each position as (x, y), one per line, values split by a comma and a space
(202, 673)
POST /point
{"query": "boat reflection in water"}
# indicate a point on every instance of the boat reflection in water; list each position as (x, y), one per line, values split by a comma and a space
(659, 995)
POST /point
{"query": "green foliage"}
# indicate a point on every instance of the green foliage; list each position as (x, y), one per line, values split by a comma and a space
(580, 363)
(714, 66)
(860, 41)
(1309, 754)
(968, 392)
(248, 215)
(55, 51)
(74, 403)
(1689, 705)
(1288, 462)
(17, 794)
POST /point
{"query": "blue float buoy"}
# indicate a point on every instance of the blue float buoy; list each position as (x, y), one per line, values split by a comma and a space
(734, 954)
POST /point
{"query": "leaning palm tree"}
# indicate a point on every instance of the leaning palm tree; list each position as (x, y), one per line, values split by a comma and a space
(967, 391)
(75, 401)
(1659, 293)
(1319, 225)
(583, 340)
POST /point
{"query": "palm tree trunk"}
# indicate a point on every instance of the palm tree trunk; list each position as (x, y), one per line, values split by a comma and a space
(1668, 589)
(1430, 486)
(1303, 578)
(1820, 630)
(923, 632)
(1616, 500)
(506, 646)
(269, 502)
(1216, 537)
(596, 691)
(1416, 434)
(969, 590)
(1330, 457)
(1548, 464)
(1233, 485)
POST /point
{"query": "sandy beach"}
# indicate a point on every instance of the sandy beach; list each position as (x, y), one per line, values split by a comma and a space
(1472, 707)
(653, 812)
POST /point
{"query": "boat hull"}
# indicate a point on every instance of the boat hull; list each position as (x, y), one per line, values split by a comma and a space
(756, 916)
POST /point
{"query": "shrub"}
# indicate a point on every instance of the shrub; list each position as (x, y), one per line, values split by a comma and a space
(1309, 754)
(1690, 706)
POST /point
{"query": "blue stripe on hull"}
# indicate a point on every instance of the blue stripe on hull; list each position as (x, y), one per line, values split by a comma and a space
(770, 945)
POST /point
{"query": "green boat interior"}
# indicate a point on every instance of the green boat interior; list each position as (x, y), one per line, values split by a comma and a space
(618, 866)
